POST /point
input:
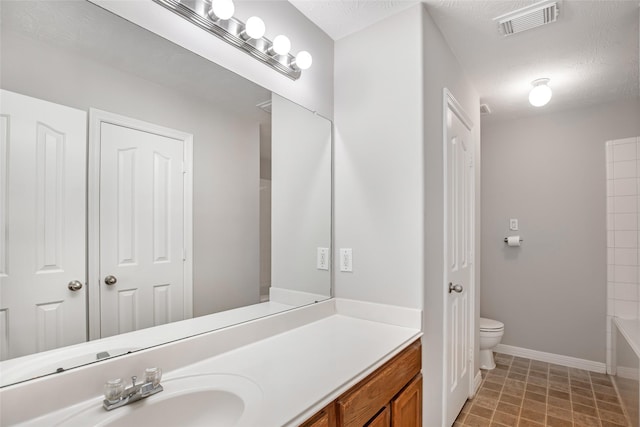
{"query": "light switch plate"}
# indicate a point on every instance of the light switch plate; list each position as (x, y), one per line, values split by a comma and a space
(322, 262)
(513, 224)
(346, 259)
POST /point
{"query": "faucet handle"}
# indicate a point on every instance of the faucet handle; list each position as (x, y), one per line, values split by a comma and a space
(153, 375)
(113, 390)
(133, 380)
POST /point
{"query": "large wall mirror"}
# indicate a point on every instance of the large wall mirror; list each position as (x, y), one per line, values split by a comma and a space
(146, 194)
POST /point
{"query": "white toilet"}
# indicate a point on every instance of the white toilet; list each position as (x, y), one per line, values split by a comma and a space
(491, 332)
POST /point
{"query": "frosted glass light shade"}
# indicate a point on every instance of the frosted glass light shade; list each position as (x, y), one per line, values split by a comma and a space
(540, 94)
(223, 9)
(255, 27)
(303, 60)
(281, 45)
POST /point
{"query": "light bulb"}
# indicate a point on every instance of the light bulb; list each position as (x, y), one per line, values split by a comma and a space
(281, 45)
(540, 94)
(303, 60)
(223, 9)
(255, 27)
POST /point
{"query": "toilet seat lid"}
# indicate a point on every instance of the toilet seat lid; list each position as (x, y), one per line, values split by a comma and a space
(490, 324)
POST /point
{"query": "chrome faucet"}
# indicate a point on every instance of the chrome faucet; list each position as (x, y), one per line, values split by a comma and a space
(116, 395)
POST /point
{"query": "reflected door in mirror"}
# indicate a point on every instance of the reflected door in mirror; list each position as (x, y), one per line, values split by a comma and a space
(42, 217)
(141, 228)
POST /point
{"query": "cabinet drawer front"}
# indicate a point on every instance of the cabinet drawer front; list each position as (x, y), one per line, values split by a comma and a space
(357, 407)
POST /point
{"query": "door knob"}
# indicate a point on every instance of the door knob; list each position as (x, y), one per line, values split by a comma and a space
(455, 288)
(74, 285)
(110, 280)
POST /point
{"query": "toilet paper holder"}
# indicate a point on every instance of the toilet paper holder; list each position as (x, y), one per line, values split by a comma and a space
(506, 239)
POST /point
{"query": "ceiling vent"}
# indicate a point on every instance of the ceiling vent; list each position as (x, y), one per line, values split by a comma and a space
(484, 109)
(529, 17)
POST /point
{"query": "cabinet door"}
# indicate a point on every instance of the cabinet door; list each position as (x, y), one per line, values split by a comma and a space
(383, 419)
(321, 421)
(324, 418)
(406, 408)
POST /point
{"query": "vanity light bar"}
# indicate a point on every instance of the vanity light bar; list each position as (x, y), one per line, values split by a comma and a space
(231, 30)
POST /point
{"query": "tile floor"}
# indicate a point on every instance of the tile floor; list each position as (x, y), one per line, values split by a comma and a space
(523, 392)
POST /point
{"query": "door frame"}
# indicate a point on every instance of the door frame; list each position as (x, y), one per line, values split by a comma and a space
(450, 102)
(96, 118)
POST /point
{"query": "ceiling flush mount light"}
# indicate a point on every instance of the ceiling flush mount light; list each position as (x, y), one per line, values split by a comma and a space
(216, 17)
(541, 93)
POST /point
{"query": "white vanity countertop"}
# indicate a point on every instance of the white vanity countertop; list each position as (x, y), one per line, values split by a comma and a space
(302, 369)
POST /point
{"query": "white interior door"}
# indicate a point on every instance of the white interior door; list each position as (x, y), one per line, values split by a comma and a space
(42, 225)
(142, 229)
(459, 256)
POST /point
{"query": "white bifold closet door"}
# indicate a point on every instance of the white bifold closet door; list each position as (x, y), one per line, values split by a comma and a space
(42, 225)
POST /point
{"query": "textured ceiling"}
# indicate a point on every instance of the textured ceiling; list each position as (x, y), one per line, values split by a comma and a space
(339, 18)
(591, 54)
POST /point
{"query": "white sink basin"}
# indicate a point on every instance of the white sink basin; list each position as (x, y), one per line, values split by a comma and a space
(216, 400)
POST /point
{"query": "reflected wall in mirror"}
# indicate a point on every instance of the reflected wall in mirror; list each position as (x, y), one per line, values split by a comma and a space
(192, 170)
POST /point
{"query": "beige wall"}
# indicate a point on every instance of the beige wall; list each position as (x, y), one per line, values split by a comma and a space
(378, 166)
(548, 171)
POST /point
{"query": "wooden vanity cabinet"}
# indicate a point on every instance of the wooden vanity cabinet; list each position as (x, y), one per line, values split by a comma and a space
(389, 397)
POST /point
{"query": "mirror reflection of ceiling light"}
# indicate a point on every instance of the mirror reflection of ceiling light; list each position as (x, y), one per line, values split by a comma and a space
(216, 17)
(541, 93)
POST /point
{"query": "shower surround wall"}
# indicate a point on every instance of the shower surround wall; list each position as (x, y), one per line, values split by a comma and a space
(623, 232)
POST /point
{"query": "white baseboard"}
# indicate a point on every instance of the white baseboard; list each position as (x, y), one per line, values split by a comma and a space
(477, 381)
(628, 373)
(558, 359)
